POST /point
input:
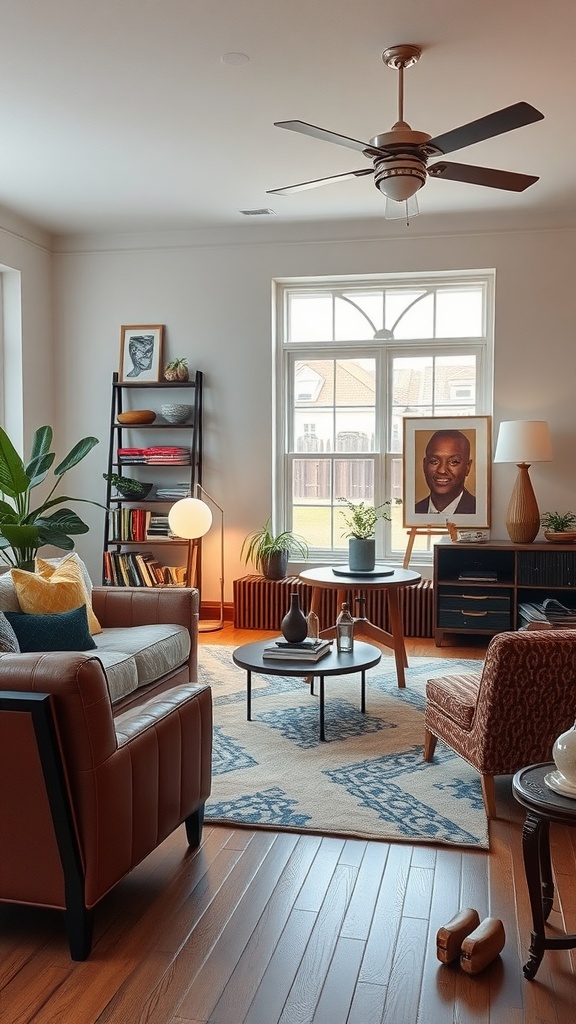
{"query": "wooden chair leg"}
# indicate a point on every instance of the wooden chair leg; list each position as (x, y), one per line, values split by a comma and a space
(489, 795)
(429, 744)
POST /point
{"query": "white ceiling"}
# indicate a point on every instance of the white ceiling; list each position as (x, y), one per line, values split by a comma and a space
(120, 115)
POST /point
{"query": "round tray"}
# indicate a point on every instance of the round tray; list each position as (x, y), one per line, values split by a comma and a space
(378, 570)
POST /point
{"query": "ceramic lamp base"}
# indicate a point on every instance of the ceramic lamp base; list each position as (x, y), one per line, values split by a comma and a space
(523, 517)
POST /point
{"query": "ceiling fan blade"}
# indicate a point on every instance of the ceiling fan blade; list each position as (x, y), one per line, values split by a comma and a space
(289, 189)
(489, 176)
(501, 121)
(303, 128)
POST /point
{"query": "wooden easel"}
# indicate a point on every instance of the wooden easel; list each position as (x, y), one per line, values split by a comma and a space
(414, 532)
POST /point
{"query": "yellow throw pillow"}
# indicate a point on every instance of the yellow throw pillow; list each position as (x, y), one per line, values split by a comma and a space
(54, 588)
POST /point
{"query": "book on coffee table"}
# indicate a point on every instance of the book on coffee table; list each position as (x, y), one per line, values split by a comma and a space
(307, 650)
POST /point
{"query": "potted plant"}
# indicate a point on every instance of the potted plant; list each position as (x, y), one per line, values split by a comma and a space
(176, 370)
(361, 520)
(269, 552)
(23, 530)
(559, 527)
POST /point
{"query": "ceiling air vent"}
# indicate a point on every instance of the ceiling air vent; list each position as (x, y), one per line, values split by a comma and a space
(264, 212)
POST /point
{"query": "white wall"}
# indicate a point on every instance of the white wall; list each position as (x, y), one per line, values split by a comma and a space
(215, 298)
(29, 381)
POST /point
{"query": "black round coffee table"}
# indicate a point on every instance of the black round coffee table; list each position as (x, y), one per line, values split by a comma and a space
(249, 657)
(542, 805)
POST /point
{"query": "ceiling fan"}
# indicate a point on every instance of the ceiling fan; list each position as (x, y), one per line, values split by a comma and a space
(400, 156)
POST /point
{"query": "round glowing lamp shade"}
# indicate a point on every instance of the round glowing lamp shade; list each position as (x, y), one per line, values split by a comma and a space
(190, 518)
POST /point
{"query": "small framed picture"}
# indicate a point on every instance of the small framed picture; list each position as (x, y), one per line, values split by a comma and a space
(447, 471)
(141, 353)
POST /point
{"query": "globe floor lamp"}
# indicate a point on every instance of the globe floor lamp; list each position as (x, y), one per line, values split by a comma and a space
(523, 442)
(191, 518)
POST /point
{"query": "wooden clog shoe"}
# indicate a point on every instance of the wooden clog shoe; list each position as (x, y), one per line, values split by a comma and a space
(482, 946)
(449, 938)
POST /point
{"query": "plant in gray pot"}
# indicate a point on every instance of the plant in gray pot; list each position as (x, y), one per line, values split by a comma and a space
(269, 552)
(361, 520)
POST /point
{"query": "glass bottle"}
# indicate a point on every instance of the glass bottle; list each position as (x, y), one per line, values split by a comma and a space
(344, 630)
(313, 626)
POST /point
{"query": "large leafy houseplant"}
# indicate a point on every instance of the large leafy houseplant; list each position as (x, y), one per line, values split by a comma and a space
(23, 528)
(269, 552)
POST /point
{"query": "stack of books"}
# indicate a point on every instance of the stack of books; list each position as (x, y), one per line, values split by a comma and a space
(307, 650)
(479, 575)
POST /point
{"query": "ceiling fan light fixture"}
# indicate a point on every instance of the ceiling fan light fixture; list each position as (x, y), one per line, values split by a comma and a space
(399, 178)
(406, 210)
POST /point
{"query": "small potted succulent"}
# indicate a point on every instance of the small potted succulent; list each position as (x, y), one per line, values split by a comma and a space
(270, 552)
(361, 520)
(559, 527)
(176, 370)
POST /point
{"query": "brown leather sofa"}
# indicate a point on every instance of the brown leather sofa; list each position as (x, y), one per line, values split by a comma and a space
(125, 607)
(85, 793)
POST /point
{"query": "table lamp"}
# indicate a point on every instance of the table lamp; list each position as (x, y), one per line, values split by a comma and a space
(191, 518)
(523, 442)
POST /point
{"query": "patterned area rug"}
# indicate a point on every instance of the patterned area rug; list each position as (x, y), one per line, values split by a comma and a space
(369, 780)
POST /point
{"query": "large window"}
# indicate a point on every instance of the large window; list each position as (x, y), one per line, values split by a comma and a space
(354, 358)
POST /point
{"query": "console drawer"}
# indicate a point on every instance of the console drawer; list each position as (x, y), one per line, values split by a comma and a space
(495, 622)
(471, 609)
(472, 602)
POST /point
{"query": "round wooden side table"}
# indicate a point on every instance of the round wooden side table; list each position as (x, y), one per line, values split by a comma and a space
(330, 578)
(542, 805)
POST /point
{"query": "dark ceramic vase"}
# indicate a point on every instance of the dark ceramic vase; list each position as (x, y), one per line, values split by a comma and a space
(294, 626)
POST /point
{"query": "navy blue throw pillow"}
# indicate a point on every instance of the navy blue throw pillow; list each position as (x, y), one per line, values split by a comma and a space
(62, 631)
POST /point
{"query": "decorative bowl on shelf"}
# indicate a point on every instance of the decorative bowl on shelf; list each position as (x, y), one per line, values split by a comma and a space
(175, 413)
(135, 416)
(560, 536)
(136, 490)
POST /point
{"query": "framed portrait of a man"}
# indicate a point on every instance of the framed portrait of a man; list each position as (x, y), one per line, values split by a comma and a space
(447, 471)
(141, 353)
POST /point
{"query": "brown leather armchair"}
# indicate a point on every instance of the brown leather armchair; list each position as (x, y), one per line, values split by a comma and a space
(508, 714)
(84, 795)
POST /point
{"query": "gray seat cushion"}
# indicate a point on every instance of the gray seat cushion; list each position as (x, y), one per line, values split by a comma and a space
(139, 655)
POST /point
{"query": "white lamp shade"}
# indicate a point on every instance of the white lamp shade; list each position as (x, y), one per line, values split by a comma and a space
(190, 518)
(523, 441)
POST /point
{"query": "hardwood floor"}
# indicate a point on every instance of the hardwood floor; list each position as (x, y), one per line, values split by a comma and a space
(258, 927)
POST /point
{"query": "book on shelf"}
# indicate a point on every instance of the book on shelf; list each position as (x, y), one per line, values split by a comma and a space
(478, 575)
(308, 650)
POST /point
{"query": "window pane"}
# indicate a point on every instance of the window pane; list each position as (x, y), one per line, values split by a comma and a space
(310, 317)
(410, 314)
(357, 315)
(354, 479)
(459, 313)
(314, 522)
(311, 481)
(454, 384)
(355, 381)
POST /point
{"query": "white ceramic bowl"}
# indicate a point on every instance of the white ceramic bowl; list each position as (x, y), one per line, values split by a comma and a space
(175, 413)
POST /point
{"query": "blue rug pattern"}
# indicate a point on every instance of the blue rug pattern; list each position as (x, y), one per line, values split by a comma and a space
(369, 780)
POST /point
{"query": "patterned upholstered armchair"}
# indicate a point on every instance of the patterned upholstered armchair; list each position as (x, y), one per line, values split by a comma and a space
(508, 714)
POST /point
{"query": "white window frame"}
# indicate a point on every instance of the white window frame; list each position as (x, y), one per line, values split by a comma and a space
(384, 352)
